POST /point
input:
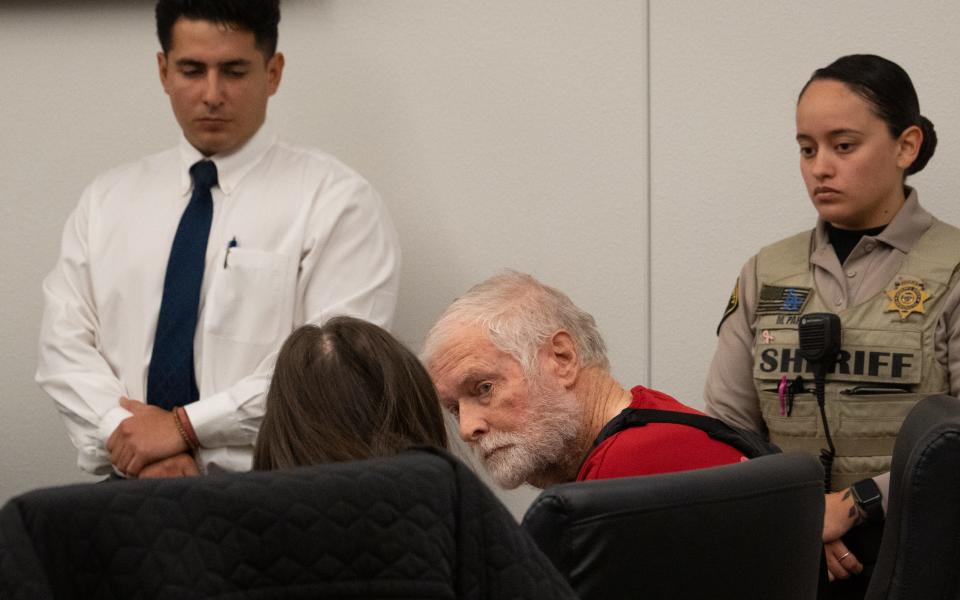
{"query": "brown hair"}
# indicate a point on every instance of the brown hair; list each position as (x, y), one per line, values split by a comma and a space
(887, 88)
(347, 390)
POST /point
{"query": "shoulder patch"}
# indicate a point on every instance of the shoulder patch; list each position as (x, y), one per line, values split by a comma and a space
(732, 304)
(777, 300)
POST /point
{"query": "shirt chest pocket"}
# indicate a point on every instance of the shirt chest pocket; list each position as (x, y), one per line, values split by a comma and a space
(246, 297)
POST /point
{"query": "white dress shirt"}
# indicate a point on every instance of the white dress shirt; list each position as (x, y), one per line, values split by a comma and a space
(313, 240)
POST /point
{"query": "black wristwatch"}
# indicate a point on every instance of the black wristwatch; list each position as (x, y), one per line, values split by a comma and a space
(868, 498)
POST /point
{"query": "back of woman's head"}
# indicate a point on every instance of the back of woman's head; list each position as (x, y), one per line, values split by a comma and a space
(347, 390)
(888, 90)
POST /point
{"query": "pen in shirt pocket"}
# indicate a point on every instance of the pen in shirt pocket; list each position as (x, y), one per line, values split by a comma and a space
(782, 395)
(230, 246)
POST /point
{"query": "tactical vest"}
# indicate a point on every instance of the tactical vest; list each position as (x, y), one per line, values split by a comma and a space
(886, 363)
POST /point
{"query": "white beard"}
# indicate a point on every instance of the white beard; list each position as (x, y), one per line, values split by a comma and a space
(552, 426)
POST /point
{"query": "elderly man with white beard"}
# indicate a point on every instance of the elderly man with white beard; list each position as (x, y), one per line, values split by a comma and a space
(524, 372)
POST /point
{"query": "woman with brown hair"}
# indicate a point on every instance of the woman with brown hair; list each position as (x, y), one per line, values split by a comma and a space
(347, 390)
(878, 274)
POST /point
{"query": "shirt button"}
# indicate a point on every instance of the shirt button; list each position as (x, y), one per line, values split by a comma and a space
(851, 273)
(838, 300)
(869, 246)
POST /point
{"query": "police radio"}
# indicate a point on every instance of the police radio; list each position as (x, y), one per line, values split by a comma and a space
(820, 346)
(820, 342)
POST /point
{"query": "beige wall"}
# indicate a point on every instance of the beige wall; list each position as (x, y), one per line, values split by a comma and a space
(500, 133)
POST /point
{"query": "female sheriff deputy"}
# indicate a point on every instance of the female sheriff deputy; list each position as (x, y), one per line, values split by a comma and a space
(876, 259)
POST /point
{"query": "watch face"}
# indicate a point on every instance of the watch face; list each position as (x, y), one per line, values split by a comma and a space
(866, 491)
(867, 495)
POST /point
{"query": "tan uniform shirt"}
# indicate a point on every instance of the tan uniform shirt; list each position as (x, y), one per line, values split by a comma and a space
(730, 394)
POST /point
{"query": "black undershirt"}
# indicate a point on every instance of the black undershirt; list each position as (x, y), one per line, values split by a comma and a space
(845, 240)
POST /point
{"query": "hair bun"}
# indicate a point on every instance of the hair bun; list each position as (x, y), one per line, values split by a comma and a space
(926, 148)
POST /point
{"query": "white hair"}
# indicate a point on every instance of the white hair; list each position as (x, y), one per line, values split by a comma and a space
(519, 314)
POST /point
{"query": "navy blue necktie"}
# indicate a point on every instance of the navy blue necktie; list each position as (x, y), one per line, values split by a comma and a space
(171, 380)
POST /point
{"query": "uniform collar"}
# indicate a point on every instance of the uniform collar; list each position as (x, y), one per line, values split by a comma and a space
(903, 232)
(230, 167)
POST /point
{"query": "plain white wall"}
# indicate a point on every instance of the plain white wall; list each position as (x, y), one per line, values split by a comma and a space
(725, 178)
(500, 135)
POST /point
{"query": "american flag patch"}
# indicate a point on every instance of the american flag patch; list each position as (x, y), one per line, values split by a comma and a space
(775, 299)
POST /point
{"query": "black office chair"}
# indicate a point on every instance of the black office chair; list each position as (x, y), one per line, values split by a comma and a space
(749, 530)
(418, 525)
(920, 551)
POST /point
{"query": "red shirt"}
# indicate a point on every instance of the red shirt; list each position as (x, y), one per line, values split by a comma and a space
(657, 447)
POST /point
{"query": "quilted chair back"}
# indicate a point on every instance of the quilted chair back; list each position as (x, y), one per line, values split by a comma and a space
(418, 525)
(920, 551)
(749, 530)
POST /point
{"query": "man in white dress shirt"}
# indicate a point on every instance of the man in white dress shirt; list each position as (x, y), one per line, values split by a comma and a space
(276, 236)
